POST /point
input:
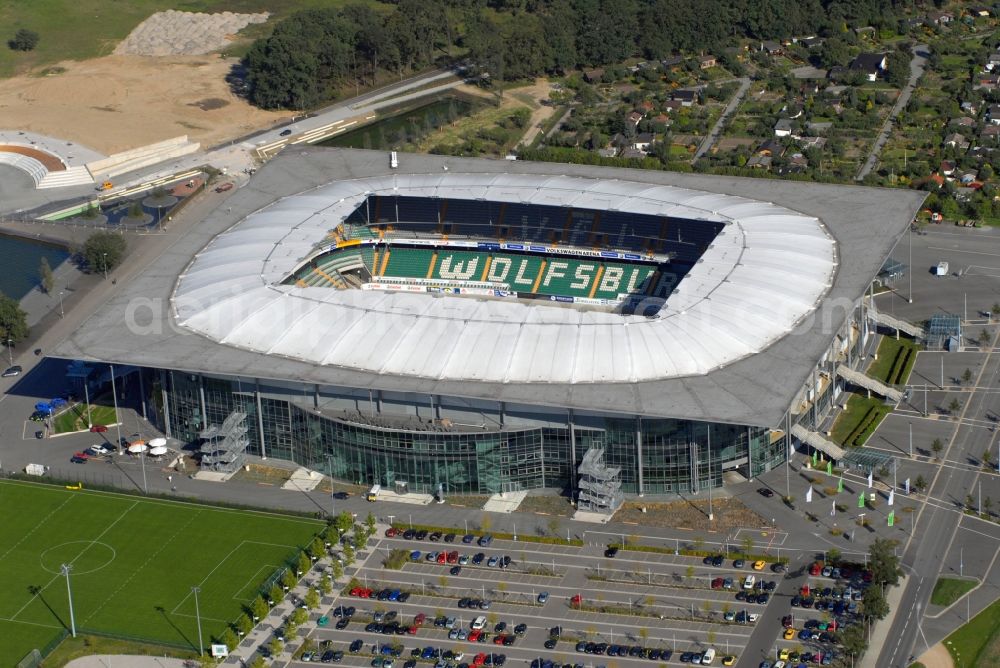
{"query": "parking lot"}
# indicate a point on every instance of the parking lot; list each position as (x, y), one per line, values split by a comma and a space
(577, 606)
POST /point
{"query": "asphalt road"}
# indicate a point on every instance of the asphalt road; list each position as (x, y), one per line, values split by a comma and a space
(713, 136)
(917, 63)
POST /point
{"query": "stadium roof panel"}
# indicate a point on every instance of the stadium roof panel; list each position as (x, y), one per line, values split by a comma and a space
(735, 343)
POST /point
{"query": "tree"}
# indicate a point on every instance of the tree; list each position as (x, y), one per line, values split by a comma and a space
(874, 603)
(259, 608)
(936, 446)
(24, 40)
(304, 563)
(257, 662)
(954, 405)
(883, 563)
(103, 251)
(343, 523)
(370, 523)
(984, 338)
(920, 483)
(312, 599)
(326, 585)
(747, 544)
(967, 375)
(316, 548)
(348, 554)
(275, 594)
(45, 276)
(244, 624)
(338, 570)
(288, 579)
(987, 504)
(553, 525)
(276, 646)
(833, 555)
(689, 572)
(13, 320)
(229, 639)
(898, 68)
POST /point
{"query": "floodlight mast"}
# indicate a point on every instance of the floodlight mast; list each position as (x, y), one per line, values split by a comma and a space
(197, 614)
(65, 569)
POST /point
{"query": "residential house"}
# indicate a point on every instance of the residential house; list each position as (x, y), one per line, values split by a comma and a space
(646, 106)
(812, 142)
(940, 18)
(633, 153)
(993, 114)
(863, 31)
(968, 107)
(607, 152)
(783, 128)
(910, 24)
(673, 105)
(634, 118)
(771, 148)
(947, 167)
(760, 162)
(593, 75)
(642, 141)
(811, 42)
(838, 72)
(967, 177)
(819, 127)
(986, 81)
(992, 61)
(872, 64)
(990, 134)
(963, 122)
(662, 119)
(706, 62)
(772, 48)
(956, 140)
(687, 98)
(672, 61)
(978, 12)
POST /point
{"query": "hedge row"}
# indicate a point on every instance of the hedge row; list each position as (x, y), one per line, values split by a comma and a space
(869, 425)
(526, 538)
(700, 553)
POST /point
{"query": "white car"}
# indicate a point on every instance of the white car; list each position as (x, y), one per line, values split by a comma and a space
(97, 450)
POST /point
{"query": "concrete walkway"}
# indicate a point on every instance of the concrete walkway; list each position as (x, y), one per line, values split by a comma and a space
(125, 661)
(880, 634)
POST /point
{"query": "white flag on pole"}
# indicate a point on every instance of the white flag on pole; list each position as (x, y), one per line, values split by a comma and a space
(869, 480)
(906, 486)
(892, 496)
(809, 495)
(833, 509)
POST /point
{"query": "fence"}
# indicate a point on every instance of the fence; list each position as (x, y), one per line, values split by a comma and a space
(34, 658)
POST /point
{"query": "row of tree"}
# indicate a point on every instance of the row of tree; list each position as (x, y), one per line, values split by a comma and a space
(312, 53)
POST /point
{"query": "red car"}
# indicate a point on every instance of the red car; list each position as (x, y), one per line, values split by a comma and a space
(420, 619)
(442, 557)
(717, 583)
(474, 635)
(413, 630)
(479, 660)
(453, 557)
(81, 455)
(576, 601)
(816, 568)
(499, 639)
(390, 532)
(98, 429)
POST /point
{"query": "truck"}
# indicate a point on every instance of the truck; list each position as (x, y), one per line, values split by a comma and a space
(941, 269)
(374, 492)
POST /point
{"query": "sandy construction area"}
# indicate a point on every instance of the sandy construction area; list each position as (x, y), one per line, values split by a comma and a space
(121, 102)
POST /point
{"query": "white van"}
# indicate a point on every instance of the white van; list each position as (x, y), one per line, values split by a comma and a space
(374, 492)
(478, 623)
(941, 269)
(749, 582)
(708, 657)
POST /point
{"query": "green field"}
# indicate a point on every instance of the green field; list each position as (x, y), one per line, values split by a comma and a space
(88, 28)
(75, 418)
(948, 590)
(977, 643)
(134, 561)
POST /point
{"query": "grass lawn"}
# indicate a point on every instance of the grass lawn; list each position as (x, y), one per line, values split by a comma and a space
(896, 359)
(948, 590)
(134, 562)
(859, 408)
(75, 418)
(977, 643)
(88, 28)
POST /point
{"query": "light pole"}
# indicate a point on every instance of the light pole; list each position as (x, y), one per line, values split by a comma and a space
(61, 313)
(65, 569)
(10, 350)
(911, 440)
(104, 264)
(142, 460)
(197, 614)
(114, 398)
(329, 465)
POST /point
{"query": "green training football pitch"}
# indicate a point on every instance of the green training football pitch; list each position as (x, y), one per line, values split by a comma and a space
(134, 562)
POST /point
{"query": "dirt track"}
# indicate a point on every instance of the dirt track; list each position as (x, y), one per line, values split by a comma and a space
(121, 102)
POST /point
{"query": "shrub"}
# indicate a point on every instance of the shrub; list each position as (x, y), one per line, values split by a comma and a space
(24, 40)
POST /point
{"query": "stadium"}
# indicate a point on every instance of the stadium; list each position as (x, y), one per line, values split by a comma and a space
(450, 325)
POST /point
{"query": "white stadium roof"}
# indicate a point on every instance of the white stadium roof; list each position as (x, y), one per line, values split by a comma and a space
(765, 271)
(212, 303)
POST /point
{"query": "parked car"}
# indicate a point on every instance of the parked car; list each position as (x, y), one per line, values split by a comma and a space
(12, 371)
(98, 429)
